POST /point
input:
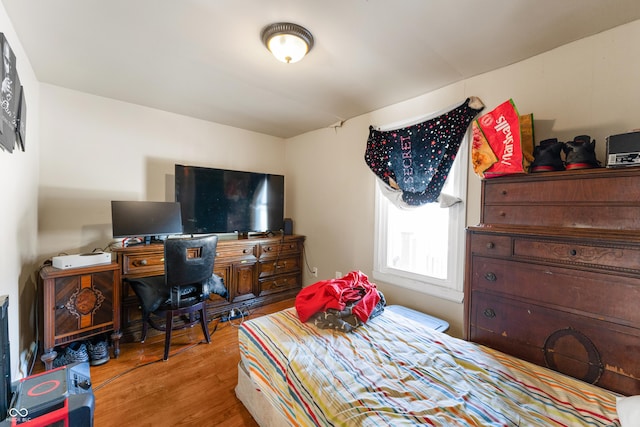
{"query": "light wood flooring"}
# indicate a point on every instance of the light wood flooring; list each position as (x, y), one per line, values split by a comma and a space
(194, 387)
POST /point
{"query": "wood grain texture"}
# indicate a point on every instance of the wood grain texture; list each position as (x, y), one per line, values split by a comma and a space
(194, 387)
(553, 273)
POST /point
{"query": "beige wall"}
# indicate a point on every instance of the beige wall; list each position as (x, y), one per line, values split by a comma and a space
(588, 87)
(95, 150)
(18, 222)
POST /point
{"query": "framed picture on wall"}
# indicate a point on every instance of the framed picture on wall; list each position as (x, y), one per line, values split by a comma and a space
(9, 96)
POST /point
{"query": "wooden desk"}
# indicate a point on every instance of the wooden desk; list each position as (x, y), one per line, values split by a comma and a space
(255, 270)
(80, 303)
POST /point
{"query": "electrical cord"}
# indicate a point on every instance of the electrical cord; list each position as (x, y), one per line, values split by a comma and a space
(245, 316)
(306, 261)
(237, 324)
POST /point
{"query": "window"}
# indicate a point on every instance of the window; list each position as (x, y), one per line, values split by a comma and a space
(423, 248)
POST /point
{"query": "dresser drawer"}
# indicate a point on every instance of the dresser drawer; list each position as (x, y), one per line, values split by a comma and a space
(564, 215)
(490, 244)
(279, 249)
(609, 256)
(588, 349)
(592, 187)
(236, 251)
(584, 199)
(597, 295)
(279, 266)
(145, 264)
(279, 284)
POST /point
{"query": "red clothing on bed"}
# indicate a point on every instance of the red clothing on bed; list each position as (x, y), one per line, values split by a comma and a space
(336, 294)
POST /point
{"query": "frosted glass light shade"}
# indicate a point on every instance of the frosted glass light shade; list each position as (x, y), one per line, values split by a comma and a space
(287, 48)
(287, 42)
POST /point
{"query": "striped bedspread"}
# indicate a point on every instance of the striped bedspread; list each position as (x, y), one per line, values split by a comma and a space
(394, 371)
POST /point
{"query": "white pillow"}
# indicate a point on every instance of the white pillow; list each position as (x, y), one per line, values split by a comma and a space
(628, 411)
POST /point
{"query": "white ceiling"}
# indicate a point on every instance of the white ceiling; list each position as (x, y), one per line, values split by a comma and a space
(205, 59)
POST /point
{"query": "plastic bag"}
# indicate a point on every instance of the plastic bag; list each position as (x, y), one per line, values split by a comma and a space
(502, 142)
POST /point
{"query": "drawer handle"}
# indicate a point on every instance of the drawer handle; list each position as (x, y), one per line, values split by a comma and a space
(490, 245)
(60, 307)
(268, 249)
(491, 277)
(504, 192)
(489, 313)
(246, 251)
(141, 262)
(503, 213)
(573, 252)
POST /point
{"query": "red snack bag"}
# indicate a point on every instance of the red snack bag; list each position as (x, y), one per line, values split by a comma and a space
(501, 128)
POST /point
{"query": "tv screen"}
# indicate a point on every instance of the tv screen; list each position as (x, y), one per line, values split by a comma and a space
(227, 201)
(145, 219)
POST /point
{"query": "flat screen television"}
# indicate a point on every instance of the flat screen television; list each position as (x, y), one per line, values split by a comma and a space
(151, 220)
(227, 201)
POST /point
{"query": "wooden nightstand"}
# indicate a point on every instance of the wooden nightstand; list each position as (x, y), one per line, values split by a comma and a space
(80, 303)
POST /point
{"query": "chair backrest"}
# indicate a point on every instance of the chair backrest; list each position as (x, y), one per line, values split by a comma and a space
(189, 261)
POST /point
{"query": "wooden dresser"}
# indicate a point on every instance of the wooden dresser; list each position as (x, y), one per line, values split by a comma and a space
(553, 273)
(255, 270)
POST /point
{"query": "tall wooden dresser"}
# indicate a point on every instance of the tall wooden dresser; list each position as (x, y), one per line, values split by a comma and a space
(555, 262)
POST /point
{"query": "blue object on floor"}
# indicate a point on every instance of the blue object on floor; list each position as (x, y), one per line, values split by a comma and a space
(425, 319)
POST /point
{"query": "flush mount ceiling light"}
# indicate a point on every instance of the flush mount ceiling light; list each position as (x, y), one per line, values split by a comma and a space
(287, 42)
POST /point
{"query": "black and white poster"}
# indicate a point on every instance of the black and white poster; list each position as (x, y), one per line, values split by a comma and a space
(9, 97)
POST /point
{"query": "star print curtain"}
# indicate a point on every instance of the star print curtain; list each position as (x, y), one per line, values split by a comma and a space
(415, 160)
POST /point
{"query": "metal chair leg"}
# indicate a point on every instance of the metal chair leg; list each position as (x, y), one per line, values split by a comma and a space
(167, 334)
(203, 322)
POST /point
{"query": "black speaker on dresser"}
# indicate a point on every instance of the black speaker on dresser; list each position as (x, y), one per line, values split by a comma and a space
(288, 226)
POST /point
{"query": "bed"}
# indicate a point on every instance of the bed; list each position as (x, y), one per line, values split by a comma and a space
(396, 370)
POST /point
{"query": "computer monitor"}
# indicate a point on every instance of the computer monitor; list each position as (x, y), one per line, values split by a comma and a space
(145, 219)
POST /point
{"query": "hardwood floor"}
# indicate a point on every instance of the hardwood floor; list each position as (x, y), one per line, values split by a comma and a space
(194, 387)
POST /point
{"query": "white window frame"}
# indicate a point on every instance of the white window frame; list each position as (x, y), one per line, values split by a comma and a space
(451, 288)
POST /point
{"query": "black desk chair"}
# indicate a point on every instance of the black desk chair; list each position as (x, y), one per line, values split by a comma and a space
(183, 290)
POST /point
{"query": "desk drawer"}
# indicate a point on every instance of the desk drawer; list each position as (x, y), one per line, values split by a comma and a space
(279, 266)
(236, 251)
(279, 284)
(279, 249)
(143, 264)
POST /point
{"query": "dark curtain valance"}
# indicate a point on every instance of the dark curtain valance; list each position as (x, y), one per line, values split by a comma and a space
(416, 160)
